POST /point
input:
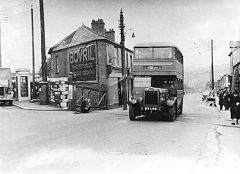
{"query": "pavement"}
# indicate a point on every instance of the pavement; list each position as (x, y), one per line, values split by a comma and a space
(225, 117)
(27, 105)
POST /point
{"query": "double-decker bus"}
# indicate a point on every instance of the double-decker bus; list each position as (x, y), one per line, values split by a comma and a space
(158, 76)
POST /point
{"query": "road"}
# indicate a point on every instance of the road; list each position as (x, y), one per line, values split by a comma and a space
(107, 142)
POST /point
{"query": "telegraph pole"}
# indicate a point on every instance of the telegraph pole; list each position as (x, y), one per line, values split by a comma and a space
(33, 55)
(44, 83)
(212, 73)
(124, 85)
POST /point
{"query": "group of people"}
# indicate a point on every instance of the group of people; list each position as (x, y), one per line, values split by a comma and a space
(232, 101)
(211, 99)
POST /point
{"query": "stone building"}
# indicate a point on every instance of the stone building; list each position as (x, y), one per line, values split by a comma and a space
(94, 59)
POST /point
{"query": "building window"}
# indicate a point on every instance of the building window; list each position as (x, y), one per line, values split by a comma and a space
(127, 61)
(57, 65)
(130, 62)
(119, 57)
(109, 59)
(115, 61)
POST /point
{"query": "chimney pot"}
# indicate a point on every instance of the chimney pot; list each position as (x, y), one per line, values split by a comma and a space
(110, 34)
(98, 26)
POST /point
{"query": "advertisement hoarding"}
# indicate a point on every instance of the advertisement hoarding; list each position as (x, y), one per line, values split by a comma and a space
(82, 61)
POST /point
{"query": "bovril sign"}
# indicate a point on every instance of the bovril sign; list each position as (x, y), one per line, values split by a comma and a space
(82, 61)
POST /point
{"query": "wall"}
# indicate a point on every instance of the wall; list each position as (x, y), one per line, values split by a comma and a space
(113, 99)
(236, 56)
(95, 90)
(102, 62)
(63, 64)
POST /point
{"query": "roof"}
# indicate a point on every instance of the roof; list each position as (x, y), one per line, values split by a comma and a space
(82, 35)
(155, 44)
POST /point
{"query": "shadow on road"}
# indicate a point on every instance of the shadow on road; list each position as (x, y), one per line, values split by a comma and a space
(152, 118)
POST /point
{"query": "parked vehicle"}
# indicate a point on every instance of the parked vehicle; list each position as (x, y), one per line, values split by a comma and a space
(6, 93)
(158, 81)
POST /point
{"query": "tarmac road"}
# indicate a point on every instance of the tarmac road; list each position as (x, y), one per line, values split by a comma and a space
(200, 140)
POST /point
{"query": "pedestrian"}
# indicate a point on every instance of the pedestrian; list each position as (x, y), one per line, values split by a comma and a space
(85, 105)
(226, 99)
(235, 107)
(220, 101)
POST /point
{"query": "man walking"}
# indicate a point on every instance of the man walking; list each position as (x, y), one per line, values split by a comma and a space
(235, 107)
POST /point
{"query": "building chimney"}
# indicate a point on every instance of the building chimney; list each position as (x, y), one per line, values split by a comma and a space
(110, 35)
(98, 26)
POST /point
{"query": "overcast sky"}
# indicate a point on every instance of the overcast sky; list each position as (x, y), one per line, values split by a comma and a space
(190, 24)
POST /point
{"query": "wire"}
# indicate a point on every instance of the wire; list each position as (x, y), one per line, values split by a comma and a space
(13, 6)
(35, 7)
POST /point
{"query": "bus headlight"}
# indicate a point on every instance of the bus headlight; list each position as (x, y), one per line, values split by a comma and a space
(162, 99)
(132, 100)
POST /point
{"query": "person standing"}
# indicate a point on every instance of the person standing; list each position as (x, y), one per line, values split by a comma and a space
(235, 107)
(226, 99)
(220, 101)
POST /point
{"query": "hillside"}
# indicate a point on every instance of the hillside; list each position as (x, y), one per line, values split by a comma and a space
(197, 77)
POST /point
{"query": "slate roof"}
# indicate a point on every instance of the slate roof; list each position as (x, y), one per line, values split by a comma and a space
(82, 35)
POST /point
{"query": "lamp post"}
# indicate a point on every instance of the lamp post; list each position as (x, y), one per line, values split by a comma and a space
(33, 56)
(212, 72)
(124, 76)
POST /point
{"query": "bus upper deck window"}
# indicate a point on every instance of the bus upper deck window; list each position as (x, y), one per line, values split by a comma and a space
(143, 53)
(163, 52)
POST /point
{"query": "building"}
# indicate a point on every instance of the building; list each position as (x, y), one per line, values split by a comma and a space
(234, 65)
(93, 58)
(223, 82)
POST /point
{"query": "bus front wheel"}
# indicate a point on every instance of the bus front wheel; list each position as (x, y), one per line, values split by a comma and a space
(132, 112)
(172, 113)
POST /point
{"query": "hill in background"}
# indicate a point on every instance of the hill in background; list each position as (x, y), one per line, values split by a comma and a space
(197, 77)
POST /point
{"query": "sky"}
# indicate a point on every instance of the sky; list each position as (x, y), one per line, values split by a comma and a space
(189, 24)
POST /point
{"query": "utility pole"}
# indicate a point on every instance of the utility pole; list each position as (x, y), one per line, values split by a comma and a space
(124, 84)
(44, 83)
(212, 73)
(33, 56)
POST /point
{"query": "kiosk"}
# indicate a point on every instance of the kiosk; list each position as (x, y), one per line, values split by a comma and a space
(23, 90)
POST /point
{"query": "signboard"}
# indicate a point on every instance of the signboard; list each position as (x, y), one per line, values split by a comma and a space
(142, 81)
(82, 63)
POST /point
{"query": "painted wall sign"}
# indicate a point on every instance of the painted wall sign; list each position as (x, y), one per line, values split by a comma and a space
(82, 62)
